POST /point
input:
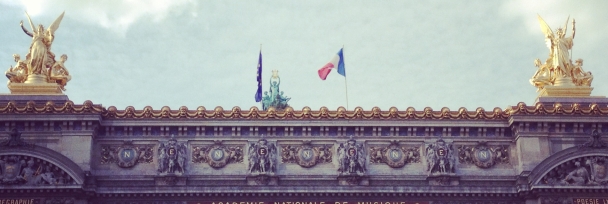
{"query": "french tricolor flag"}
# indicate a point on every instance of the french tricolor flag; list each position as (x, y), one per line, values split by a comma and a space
(336, 62)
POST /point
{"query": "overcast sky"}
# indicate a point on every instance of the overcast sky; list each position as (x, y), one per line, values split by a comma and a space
(397, 53)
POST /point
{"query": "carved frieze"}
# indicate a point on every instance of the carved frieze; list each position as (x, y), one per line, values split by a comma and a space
(483, 155)
(27, 170)
(595, 141)
(583, 171)
(126, 155)
(15, 140)
(306, 155)
(172, 157)
(440, 157)
(351, 158)
(394, 155)
(262, 157)
(217, 155)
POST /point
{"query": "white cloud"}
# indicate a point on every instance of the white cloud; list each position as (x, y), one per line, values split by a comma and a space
(556, 12)
(116, 15)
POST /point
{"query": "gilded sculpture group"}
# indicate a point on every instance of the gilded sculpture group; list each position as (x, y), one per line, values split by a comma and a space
(40, 65)
(558, 69)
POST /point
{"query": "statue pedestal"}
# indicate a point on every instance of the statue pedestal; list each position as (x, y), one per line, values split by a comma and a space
(38, 99)
(602, 101)
(40, 93)
(35, 89)
(568, 95)
(565, 91)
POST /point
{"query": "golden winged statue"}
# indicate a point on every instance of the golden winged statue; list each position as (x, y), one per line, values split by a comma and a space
(558, 69)
(41, 45)
(39, 66)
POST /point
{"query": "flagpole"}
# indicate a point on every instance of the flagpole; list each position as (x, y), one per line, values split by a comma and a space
(345, 82)
(346, 87)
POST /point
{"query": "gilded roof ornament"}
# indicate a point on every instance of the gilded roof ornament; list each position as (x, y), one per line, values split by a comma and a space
(39, 73)
(276, 99)
(557, 76)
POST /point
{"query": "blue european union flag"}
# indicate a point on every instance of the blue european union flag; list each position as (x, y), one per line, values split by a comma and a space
(258, 94)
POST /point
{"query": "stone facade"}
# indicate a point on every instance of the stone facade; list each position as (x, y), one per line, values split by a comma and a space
(61, 152)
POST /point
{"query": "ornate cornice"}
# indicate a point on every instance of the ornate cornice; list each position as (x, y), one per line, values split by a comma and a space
(557, 109)
(51, 108)
(305, 114)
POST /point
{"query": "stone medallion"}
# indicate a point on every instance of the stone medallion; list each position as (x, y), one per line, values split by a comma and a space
(307, 156)
(394, 155)
(483, 157)
(217, 156)
(127, 156)
(352, 152)
(262, 151)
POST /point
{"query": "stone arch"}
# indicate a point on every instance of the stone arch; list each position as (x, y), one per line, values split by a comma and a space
(565, 161)
(68, 172)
